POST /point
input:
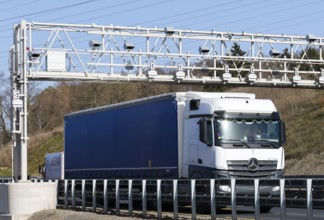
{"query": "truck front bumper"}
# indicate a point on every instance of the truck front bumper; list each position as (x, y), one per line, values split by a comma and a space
(246, 185)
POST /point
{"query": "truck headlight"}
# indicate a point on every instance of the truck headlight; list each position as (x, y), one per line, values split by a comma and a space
(225, 188)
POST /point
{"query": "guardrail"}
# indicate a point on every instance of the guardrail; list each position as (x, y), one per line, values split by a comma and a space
(211, 193)
(8, 179)
(5, 179)
(109, 194)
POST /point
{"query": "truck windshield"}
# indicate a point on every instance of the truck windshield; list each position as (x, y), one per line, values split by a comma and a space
(247, 130)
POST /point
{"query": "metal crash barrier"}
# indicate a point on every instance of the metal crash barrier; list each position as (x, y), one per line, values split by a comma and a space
(211, 194)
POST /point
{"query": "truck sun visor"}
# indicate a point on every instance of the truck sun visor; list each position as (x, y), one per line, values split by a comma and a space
(272, 116)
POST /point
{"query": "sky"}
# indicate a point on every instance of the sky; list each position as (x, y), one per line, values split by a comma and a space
(292, 17)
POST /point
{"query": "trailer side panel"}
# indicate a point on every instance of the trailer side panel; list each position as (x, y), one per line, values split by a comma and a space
(130, 141)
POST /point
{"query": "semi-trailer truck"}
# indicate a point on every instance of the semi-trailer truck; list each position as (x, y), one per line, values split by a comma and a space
(176, 135)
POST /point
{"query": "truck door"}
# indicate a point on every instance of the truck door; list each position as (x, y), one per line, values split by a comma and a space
(202, 150)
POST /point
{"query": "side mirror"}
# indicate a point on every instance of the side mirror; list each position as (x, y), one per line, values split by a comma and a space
(282, 132)
(205, 131)
(41, 169)
(194, 104)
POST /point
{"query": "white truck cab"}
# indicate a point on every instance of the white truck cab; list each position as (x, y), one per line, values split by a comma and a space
(231, 135)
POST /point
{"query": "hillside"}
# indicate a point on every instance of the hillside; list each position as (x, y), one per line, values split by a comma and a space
(303, 111)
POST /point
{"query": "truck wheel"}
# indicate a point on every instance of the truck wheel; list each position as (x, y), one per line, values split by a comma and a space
(200, 190)
(152, 205)
(195, 176)
(265, 209)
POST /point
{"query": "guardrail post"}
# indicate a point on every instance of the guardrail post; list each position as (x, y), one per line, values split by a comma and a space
(233, 198)
(83, 195)
(282, 199)
(144, 208)
(105, 194)
(130, 197)
(66, 194)
(256, 199)
(117, 198)
(193, 199)
(73, 192)
(309, 199)
(58, 191)
(158, 198)
(175, 199)
(212, 200)
(94, 195)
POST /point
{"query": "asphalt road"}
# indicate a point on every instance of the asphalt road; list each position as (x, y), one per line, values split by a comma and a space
(243, 213)
(274, 214)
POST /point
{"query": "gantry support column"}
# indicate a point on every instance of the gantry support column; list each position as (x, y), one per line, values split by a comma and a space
(19, 102)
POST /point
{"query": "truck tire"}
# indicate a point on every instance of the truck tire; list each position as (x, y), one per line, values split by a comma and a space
(195, 176)
(265, 209)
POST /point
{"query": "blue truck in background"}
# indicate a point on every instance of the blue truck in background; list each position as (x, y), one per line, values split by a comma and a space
(53, 168)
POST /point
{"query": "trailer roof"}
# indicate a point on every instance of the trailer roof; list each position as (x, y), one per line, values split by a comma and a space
(125, 104)
(175, 95)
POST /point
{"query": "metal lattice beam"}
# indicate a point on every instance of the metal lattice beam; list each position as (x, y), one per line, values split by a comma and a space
(114, 53)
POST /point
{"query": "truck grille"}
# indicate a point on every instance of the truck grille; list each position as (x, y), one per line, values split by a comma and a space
(239, 169)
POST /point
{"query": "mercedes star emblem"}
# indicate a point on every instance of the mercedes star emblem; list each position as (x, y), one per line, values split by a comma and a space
(253, 164)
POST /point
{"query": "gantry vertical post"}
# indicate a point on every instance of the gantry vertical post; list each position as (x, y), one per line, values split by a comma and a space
(24, 135)
(19, 103)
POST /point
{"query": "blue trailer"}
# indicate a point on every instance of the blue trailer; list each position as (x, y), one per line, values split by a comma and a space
(137, 139)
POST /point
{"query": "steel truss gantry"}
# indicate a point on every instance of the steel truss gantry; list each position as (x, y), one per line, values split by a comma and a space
(94, 53)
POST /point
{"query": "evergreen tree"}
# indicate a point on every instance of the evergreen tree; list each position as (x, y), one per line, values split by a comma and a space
(310, 54)
(237, 51)
(285, 54)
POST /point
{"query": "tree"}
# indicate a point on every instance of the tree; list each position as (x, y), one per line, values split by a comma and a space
(4, 110)
(4, 121)
(310, 53)
(285, 53)
(49, 107)
(237, 51)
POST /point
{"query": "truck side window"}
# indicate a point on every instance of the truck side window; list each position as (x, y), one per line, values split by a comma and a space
(206, 131)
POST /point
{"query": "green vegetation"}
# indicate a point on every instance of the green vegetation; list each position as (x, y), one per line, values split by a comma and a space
(5, 171)
(52, 142)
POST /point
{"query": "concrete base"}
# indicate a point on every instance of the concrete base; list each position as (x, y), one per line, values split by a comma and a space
(18, 201)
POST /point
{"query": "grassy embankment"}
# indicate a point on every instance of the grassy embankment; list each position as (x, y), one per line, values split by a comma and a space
(39, 145)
